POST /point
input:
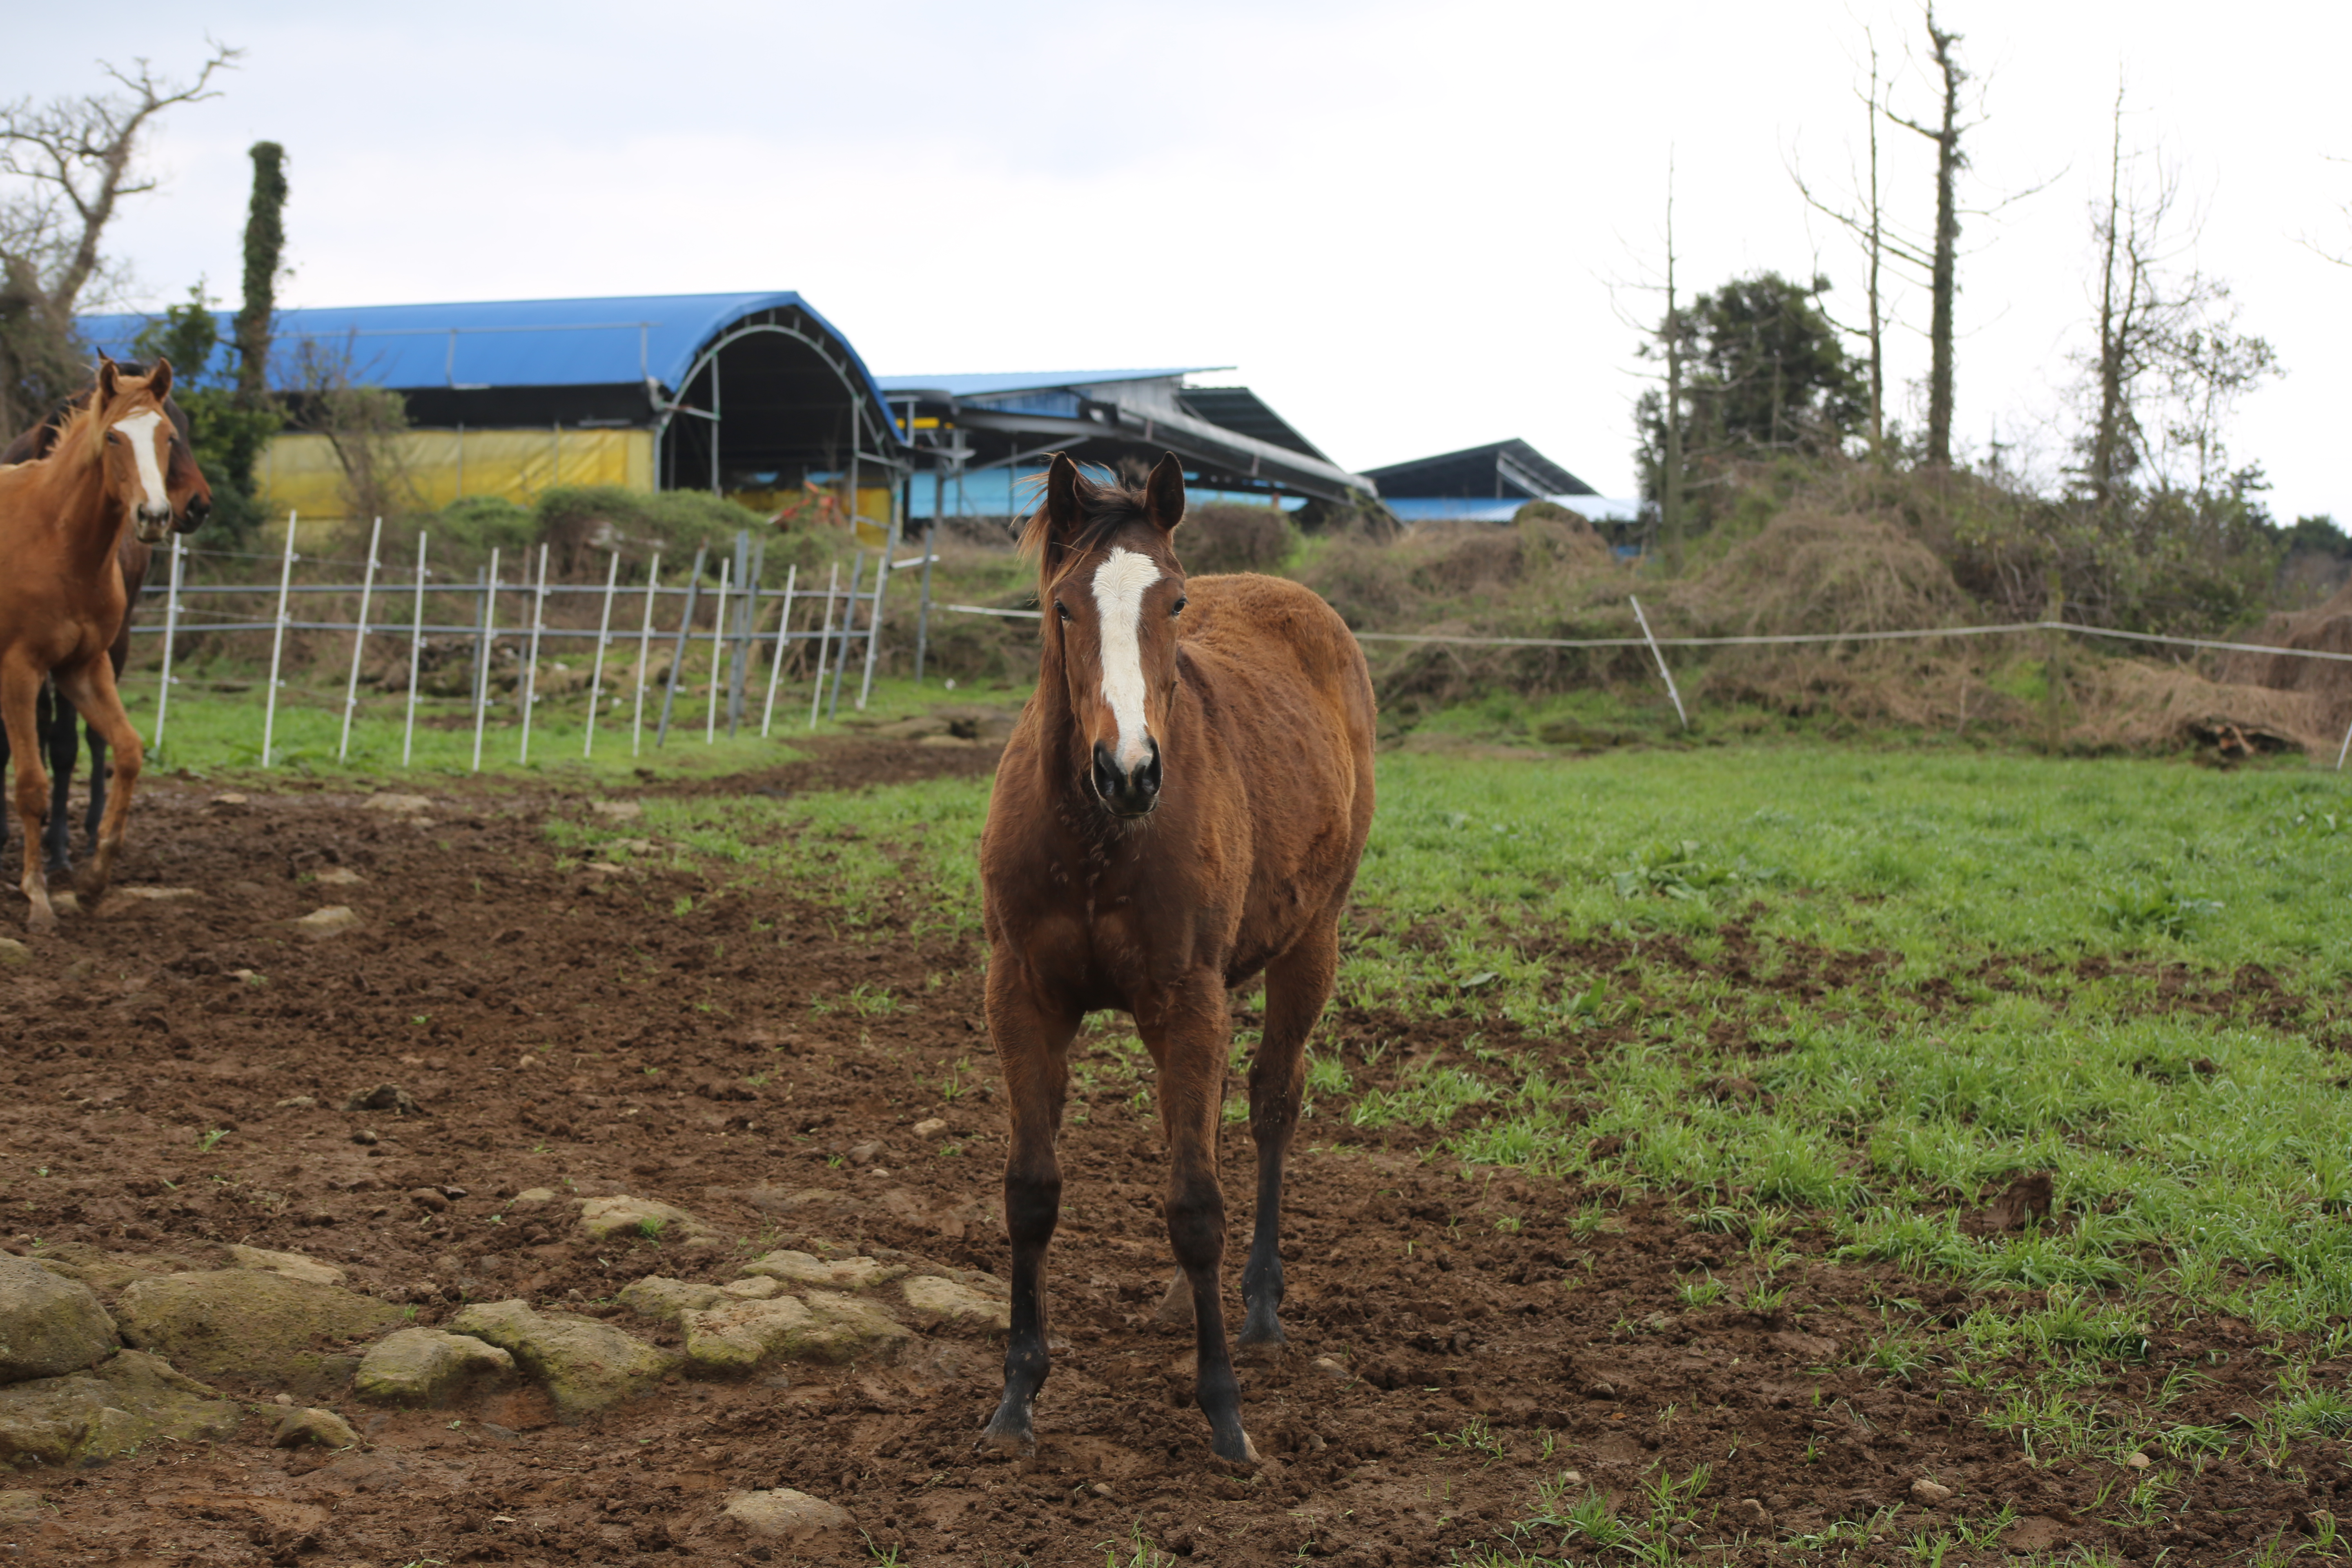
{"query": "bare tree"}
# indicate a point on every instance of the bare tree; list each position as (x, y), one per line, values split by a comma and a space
(2168, 340)
(1944, 260)
(1669, 481)
(1879, 240)
(67, 166)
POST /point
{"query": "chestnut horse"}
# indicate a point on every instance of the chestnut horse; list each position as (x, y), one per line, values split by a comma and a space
(1181, 808)
(62, 601)
(55, 716)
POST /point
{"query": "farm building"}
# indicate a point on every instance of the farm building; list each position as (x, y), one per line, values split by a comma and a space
(981, 433)
(1487, 484)
(754, 394)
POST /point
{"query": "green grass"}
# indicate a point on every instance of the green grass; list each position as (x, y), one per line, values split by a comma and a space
(1955, 967)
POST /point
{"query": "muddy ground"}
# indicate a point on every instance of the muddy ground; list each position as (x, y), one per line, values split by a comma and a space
(523, 1006)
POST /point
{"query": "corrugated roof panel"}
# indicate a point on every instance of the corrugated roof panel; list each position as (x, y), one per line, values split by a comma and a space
(986, 382)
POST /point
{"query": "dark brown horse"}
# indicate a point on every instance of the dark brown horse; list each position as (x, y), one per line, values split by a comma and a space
(62, 601)
(1181, 808)
(55, 716)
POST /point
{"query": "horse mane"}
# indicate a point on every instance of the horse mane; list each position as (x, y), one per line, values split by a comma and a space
(69, 418)
(1103, 509)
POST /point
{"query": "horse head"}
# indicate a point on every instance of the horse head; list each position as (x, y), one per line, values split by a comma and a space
(149, 463)
(1113, 591)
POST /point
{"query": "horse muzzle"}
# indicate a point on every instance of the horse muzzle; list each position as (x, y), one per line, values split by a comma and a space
(1126, 793)
(152, 526)
(192, 516)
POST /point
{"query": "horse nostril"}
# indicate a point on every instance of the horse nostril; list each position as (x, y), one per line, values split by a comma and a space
(1108, 778)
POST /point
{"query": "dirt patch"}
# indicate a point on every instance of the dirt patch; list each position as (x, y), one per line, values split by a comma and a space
(568, 1030)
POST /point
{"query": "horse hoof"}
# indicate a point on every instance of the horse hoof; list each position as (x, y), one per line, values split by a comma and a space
(1236, 1449)
(1261, 1351)
(992, 1444)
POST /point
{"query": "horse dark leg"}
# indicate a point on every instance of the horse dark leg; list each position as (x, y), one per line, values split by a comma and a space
(19, 692)
(1297, 985)
(91, 687)
(1033, 1045)
(56, 718)
(98, 781)
(1189, 1045)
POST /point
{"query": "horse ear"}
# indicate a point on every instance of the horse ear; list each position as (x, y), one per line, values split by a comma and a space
(1061, 496)
(159, 380)
(108, 372)
(1163, 496)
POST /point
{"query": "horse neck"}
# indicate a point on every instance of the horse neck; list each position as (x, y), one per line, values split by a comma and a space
(88, 518)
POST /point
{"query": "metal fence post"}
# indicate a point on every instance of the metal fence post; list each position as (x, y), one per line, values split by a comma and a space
(171, 625)
(717, 654)
(278, 643)
(776, 664)
(530, 661)
(677, 653)
(823, 639)
(482, 660)
(415, 655)
(848, 624)
(359, 641)
(604, 635)
(874, 620)
(645, 656)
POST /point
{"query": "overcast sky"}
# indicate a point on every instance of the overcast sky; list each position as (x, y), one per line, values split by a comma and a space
(1412, 228)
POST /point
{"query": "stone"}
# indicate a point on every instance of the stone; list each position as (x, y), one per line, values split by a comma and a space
(291, 1265)
(584, 1365)
(14, 954)
(430, 1199)
(824, 1326)
(930, 1127)
(946, 1303)
(622, 1216)
(1928, 1494)
(384, 1097)
(836, 1274)
(295, 1102)
(785, 1515)
(662, 1300)
(157, 895)
(339, 876)
(228, 798)
(400, 803)
(425, 1366)
(328, 922)
(1334, 1370)
(534, 1195)
(252, 1323)
(48, 1325)
(19, 1505)
(618, 810)
(2138, 1461)
(759, 1287)
(129, 1401)
(314, 1429)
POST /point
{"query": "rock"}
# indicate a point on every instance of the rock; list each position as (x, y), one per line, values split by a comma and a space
(836, 1274)
(339, 876)
(384, 1097)
(760, 1287)
(785, 1515)
(866, 1154)
(930, 1126)
(48, 1325)
(328, 922)
(618, 810)
(663, 1299)
(824, 1326)
(14, 954)
(1334, 1369)
(1928, 1494)
(314, 1429)
(291, 1265)
(1749, 1514)
(157, 895)
(431, 1199)
(622, 1216)
(945, 1302)
(228, 798)
(804, 1203)
(366, 1137)
(19, 1505)
(252, 1323)
(425, 1366)
(585, 1364)
(401, 803)
(129, 1401)
(534, 1195)
(295, 1102)
(2138, 1461)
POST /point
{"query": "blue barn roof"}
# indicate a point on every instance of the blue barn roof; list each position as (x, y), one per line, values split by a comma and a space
(622, 339)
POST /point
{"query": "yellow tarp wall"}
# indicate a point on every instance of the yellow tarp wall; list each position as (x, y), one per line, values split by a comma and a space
(299, 472)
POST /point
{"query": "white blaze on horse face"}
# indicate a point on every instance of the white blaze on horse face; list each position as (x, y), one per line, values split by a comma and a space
(1119, 584)
(140, 428)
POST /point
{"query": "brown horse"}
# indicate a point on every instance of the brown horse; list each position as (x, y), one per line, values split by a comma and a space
(1181, 808)
(55, 716)
(62, 601)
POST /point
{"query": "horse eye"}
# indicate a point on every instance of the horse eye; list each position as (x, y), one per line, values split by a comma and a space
(1178, 608)
(1061, 609)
